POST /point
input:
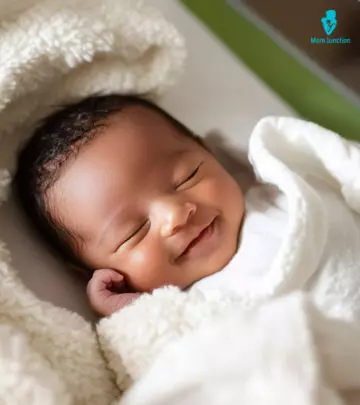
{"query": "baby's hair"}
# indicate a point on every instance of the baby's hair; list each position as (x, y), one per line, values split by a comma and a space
(57, 140)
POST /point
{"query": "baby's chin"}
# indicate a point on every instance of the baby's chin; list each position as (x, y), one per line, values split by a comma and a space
(210, 271)
(221, 255)
(185, 285)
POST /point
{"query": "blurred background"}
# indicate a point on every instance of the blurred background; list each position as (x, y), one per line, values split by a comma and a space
(321, 82)
(297, 21)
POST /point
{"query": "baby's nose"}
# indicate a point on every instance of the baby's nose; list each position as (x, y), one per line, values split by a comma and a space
(174, 215)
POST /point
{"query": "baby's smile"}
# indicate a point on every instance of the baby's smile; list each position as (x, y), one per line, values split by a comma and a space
(204, 241)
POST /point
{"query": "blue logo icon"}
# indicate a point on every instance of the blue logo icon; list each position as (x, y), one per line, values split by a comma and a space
(329, 22)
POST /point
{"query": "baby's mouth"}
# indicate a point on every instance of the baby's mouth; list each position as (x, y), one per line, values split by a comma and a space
(198, 241)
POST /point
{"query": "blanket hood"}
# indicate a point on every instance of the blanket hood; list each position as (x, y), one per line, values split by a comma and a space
(52, 52)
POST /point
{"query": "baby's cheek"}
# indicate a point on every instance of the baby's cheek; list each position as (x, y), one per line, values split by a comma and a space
(212, 190)
(145, 269)
(227, 189)
(224, 194)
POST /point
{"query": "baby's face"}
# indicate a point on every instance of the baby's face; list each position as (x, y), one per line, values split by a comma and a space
(149, 203)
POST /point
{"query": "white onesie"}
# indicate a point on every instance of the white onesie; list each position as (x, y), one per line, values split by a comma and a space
(263, 228)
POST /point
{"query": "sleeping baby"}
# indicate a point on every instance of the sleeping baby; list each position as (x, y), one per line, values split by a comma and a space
(129, 194)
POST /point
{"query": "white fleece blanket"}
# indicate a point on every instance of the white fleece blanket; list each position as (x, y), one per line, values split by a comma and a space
(284, 353)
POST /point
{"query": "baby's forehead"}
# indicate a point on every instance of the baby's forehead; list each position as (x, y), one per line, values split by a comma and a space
(143, 130)
(140, 117)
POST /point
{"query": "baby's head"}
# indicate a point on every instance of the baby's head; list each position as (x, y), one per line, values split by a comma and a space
(118, 183)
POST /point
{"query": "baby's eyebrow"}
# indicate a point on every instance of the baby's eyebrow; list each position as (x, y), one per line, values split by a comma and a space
(177, 155)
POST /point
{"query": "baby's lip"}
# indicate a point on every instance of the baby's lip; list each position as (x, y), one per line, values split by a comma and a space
(196, 237)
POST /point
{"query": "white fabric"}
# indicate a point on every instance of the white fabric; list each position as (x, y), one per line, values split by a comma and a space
(284, 353)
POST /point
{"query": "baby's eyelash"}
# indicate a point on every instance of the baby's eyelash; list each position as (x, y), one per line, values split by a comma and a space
(136, 231)
(193, 174)
(133, 234)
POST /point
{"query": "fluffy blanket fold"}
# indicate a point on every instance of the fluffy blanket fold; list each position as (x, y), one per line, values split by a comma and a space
(52, 52)
(285, 352)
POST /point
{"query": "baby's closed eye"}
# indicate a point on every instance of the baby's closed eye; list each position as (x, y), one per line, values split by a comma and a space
(138, 232)
(190, 176)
